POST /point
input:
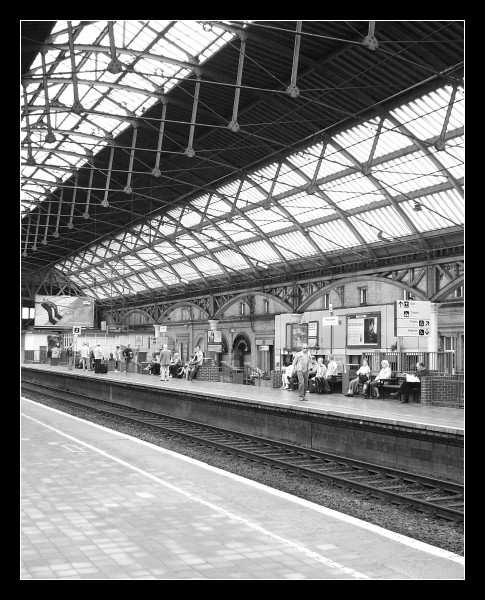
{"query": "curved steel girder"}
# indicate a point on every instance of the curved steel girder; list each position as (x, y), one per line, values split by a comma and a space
(382, 188)
(182, 304)
(343, 215)
(337, 283)
(442, 294)
(236, 298)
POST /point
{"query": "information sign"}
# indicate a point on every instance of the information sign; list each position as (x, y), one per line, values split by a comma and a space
(76, 330)
(412, 318)
(329, 321)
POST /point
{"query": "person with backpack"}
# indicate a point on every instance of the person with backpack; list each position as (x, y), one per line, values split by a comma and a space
(128, 356)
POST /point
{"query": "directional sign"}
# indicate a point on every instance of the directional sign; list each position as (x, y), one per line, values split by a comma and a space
(76, 330)
(329, 321)
(413, 309)
(412, 323)
(413, 331)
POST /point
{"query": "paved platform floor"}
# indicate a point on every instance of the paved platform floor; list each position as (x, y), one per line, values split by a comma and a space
(388, 410)
(98, 504)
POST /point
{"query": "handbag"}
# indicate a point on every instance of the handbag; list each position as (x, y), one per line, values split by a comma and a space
(363, 378)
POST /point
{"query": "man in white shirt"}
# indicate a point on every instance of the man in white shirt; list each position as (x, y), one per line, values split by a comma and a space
(85, 356)
(301, 365)
(98, 357)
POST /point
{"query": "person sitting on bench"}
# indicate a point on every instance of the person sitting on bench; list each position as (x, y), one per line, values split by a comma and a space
(406, 386)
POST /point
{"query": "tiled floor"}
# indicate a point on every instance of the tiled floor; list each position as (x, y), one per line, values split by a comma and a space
(97, 504)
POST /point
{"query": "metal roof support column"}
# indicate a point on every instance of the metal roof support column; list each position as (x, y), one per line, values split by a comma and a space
(367, 167)
(115, 66)
(311, 189)
(77, 107)
(34, 246)
(128, 188)
(50, 138)
(56, 232)
(292, 90)
(30, 158)
(70, 225)
(267, 201)
(86, 212)
(189, 151)
(24, 253)
(234, 125)
(440, 143)
(44, 240)
(105, 202)
(156, 169)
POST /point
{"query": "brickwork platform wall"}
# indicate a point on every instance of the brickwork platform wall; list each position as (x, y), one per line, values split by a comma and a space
(443, 390)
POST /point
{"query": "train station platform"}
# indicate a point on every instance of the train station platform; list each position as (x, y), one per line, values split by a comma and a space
(420, 438)
(99, 504)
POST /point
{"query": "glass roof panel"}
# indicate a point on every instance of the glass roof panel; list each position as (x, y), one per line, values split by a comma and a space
(292, 245)
(333, 235)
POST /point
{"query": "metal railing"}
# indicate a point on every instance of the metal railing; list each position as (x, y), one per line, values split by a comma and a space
(441, 362)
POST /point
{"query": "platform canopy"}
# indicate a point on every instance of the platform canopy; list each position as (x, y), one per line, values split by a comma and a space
(167, 158)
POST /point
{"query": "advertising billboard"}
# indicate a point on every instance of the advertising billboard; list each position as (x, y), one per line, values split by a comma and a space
(364, 330)
(64, 311)
(214, 341)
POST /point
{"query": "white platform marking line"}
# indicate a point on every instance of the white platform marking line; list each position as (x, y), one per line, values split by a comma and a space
(396, 537)
(293, 545)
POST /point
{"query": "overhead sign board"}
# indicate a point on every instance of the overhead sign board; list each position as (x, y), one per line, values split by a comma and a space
(413, 309)
(329, 321)
(412, 318)
(76, 330)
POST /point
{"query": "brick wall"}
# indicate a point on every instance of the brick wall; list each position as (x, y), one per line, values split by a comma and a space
(443, 390)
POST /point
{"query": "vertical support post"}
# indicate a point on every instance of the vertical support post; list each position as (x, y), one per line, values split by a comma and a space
(77, 107)
(34, 246)
(105, 202)
(128, 188)
(56, 232)
(44, 241)
(30, 158)
(50, 138)
(292, 90)
(70, 225)
(433, 336)
(156, 169)
(190, 150)
(115, 65)
(234, 125)
(86, 212)
(29, 218)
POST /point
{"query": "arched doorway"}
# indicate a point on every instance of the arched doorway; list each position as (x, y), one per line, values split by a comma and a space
(241, 350)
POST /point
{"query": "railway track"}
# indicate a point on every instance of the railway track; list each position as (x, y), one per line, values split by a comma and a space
(425, 494)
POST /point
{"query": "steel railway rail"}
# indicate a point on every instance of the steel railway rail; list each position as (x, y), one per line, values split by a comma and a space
(425, 494)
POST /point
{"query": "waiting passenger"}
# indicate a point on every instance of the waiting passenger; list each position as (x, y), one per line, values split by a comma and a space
(165, 359)
(384, 373)
(153, 367)
(175, 365)
(194, 363)
(406, 386)
(301, 364)
(85, 355)
(363, 374)
(320, 376)
(117, 357)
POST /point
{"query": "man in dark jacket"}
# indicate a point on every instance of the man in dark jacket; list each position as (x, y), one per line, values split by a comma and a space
(128, 356)
(406, 386)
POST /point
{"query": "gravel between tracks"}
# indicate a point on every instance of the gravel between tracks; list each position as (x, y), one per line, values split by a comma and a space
(406, 521)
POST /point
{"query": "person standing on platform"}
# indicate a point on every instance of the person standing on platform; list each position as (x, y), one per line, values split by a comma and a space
(70, 356)
(194, 363)
(165, 358)
(406, 386)
(384, 373)
(128, 356)
(117, 357)
(98, 357)
(301, 365)
(85, 356)
(363, 374)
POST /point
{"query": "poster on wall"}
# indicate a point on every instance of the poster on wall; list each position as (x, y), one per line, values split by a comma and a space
(64, 311)
(364, 330)
(214, 341)
(299, 335)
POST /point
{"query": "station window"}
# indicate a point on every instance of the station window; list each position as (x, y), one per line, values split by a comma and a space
(459, 292)
(266, 306)
(363, 295)
(409, 296)
(242, 308)
(28, 313)
(326, 301)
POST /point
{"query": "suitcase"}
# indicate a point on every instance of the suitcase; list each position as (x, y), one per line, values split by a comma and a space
(103, 367)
